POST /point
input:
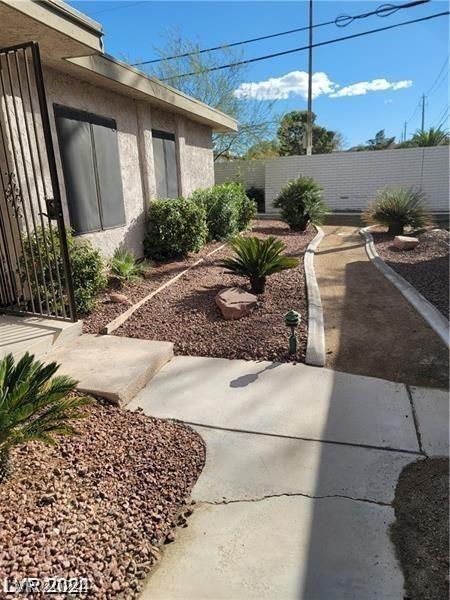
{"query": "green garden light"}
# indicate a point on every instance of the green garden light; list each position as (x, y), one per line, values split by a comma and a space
(292, 319)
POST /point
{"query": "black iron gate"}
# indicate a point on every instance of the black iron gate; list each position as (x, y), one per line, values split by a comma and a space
(35, 273)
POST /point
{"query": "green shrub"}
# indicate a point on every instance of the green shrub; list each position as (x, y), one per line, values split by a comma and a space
(257, 259)
(227, 208)
(86, 263)
(258, 196)
(398, 208)
(34, 405)
(301, 203)
(175, 227)
(124, 268)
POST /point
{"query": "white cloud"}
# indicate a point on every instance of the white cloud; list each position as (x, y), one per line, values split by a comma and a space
(295, 83)
(376, 85)
(280, 88)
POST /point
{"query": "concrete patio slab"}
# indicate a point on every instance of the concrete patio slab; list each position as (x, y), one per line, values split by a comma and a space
(243, 466)
(432, 411)
(112, 367)
(282, 399)
(290, 548)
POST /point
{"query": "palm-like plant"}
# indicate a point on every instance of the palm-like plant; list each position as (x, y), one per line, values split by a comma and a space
(34, 405)
(124, 268)
(398, 208)
(301, 203)
(257, 259)
(431, 137)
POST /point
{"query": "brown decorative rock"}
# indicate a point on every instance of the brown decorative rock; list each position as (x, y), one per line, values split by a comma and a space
(403, 242)
(235, 303)
(118, 298)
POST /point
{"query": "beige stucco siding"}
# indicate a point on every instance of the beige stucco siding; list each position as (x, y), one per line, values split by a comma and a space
(135, 120)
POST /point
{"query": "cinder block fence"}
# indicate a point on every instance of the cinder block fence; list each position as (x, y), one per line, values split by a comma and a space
(349, 180)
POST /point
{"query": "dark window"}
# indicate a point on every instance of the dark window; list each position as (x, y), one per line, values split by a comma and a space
(90, 160)
(165, 161)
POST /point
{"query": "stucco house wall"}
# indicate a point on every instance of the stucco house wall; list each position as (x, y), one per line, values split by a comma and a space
(135, 120)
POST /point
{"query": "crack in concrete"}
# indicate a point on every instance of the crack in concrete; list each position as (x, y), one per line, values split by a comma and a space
(293, 494)
(415, 419)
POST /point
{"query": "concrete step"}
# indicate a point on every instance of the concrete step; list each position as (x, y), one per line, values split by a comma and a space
(34, 335)
(115, 368)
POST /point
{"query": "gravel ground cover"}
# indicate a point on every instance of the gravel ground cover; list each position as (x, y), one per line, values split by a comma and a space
(426, 267)
(420, 533)
(105, 310)
(186, 314)
(98, 505)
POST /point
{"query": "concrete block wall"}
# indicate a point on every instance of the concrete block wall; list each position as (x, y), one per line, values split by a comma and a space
(250, 172)
(350, 180)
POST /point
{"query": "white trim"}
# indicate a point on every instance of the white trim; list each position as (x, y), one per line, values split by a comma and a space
(426, 310)
(315, 346)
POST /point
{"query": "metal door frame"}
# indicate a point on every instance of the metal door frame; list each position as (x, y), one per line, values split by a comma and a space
(33, 281)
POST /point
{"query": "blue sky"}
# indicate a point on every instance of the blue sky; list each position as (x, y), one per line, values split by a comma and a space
(408, 58)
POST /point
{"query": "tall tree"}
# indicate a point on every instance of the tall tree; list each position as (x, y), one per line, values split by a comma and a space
(292, 135)
(263, 149)
(215, 88)
(379, 142)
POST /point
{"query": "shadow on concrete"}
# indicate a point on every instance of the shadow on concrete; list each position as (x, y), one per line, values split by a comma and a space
(245, 380)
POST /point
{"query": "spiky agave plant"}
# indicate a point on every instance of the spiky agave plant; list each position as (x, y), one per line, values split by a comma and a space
(34, 405)
(398, 208)
(257, 259)
(435, 136)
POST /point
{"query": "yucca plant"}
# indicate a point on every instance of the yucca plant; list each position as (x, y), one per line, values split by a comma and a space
(257, 259)
(34, 405)
(124, 268)
(430, 137)
(397, 208)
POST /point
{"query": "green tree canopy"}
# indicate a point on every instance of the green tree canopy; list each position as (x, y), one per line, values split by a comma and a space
(292, 133)
(379, 142)
(263, 149)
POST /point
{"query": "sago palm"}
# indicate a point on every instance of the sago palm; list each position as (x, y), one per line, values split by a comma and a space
(124, 267)
(34, 405)
(257, 259)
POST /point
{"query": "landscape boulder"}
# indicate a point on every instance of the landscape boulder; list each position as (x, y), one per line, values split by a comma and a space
(118, 298)
(403, 242)
(235, 303)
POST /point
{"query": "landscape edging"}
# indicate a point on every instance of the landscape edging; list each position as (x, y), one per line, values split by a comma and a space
(426, 310)
(315, 345)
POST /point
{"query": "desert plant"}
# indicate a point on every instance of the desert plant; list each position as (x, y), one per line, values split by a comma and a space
(301, 203)
(257, 259)
(228, 210)
(175, 227)
(34, 405)
(87, 265)
(397, 208)
(124, 268)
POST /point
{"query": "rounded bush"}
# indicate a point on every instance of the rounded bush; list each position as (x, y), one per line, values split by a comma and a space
(88, 274)
(228, 210)
(398, 208)
(301, 203)
(175, 227)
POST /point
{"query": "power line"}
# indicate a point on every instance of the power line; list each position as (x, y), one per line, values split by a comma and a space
(384, 10)
(438, 77)
(316, 45)
(127, 5)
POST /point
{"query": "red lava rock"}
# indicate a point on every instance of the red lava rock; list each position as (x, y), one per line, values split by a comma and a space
(426, 267)
(82, 533)
(196, 326)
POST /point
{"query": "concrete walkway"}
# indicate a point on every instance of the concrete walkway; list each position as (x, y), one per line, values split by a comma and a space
(295, 499)
(370, 328)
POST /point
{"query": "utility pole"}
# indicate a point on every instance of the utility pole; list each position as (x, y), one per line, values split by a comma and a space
(404, 131)
(309, 141)
(423, 112)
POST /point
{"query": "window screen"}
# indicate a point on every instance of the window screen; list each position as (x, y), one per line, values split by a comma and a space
(90, 159)
(165, 162)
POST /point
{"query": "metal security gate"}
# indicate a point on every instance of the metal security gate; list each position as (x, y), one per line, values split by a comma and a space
(35, 274)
